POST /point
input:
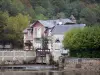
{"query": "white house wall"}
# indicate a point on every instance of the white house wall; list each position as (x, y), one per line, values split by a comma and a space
(54, 38)
(56, 47)
(37, 45)
(38, 31)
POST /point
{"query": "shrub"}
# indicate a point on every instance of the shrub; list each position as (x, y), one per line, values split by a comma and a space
(83, 42)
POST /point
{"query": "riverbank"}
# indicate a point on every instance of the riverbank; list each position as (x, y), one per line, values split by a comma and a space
(34, 67)
(48, 72)
(82, 64)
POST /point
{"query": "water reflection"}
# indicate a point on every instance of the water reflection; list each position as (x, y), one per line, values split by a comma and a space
(77, 73)
(47, 73)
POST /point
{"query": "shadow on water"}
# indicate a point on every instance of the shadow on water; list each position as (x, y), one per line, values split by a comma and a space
(47, 73)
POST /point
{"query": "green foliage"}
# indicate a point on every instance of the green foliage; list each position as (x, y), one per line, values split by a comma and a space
(40, 10)
(44, 43)
(83, 40)
(61, 15)
(14, 27)
(88, 16)
(85, 11)
(12, 6)
(30, 12)
(18, 23)
(3, 20)
(40, 16)
(69, 37)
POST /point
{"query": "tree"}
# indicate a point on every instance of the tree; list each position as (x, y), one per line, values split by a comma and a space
(17, 7)
(40, 10)
(41, 17)
(88, 16)
(85, 42)
(97, 12)
(44, 43)
(61, 15)
(12, 6)
(69, 39)
(5, 5)
(74, 8)
(30, 12)
(14, 28)
(3, 20)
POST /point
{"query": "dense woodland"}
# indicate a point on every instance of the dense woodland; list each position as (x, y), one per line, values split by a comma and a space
(16, 15)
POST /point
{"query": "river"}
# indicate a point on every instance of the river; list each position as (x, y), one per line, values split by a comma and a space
(47, 73)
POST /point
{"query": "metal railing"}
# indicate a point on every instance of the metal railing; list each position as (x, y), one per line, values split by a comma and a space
(42, 52)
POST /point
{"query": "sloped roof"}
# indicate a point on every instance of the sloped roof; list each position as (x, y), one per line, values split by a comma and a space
(46, 23)
(61, 29)
(51, 23)
(64, 21)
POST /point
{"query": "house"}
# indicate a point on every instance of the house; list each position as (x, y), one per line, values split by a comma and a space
(57, 36)
(39, 29)
(53, 30)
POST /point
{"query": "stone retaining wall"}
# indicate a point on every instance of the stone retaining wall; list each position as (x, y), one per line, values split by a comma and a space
(86, 64)
(16, 55)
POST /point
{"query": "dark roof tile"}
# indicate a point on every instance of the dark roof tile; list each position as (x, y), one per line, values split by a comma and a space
(61, 29)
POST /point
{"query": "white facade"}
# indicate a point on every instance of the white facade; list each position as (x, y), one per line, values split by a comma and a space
(57, 46)
(37, 35)
(37, 32)
(54, 31)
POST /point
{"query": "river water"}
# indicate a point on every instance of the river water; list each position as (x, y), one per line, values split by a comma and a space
(47, 73)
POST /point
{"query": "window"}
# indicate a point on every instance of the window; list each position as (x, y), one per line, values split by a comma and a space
(57, 46)
(37, 32)
(29, 32)
(49, 32)
(57, 41)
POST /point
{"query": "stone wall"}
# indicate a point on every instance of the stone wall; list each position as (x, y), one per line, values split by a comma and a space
(16, 55)
(82, 64)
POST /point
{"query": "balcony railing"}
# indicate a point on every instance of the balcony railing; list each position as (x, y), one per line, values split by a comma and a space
(42, 52)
